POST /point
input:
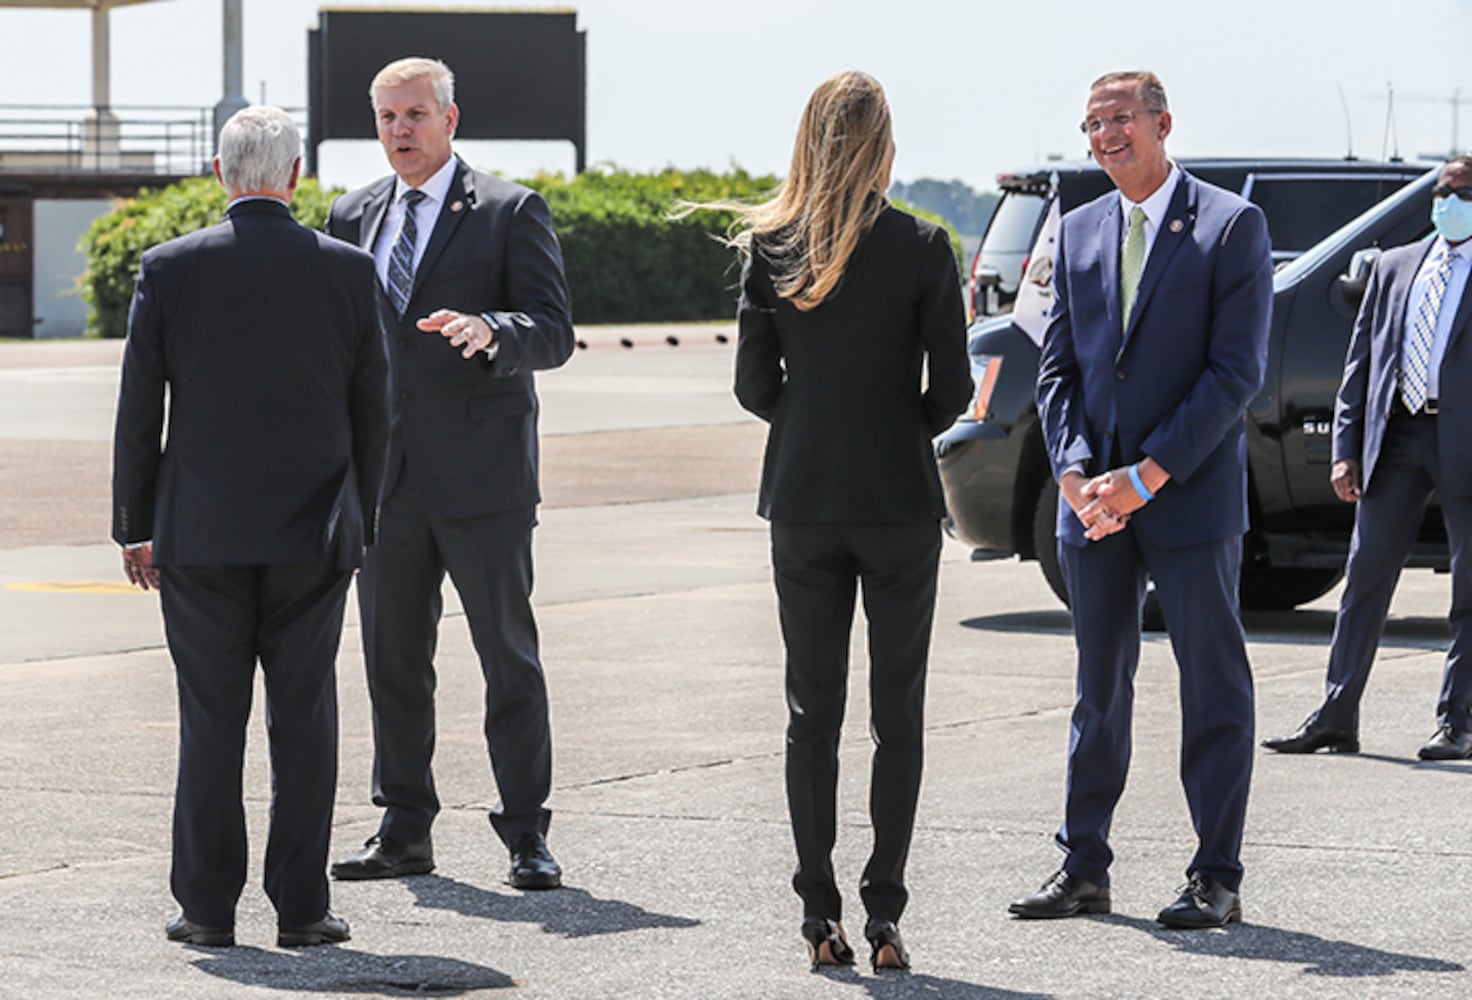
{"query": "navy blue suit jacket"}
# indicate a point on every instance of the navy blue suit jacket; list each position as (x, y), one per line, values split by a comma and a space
(468, 427)
(1175, 384)
(265, 334)
(1371, 374)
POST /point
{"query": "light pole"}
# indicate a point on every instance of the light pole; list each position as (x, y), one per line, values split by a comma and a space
(234, 98)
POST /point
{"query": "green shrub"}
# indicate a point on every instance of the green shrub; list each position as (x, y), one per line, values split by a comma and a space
(627, 261)
(114, 243)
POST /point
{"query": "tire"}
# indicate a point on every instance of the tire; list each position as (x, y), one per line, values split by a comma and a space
(1266, 588)
(1045, 538)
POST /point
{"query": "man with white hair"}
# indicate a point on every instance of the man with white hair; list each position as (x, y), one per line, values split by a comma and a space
(251, 520)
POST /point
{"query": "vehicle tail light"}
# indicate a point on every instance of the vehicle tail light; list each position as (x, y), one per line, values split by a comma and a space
(984, 371)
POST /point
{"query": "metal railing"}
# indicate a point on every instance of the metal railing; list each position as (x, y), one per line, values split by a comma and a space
(158, 140)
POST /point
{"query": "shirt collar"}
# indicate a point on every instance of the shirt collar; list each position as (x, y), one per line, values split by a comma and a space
(1440, 248)
(436, 188)
(1158, 203)
(259, 197)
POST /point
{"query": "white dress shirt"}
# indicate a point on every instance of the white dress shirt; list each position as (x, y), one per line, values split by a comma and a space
(436, 190)
(1155, 206)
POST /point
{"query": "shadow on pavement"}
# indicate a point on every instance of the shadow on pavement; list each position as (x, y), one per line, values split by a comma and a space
(1417, 763)
(342, 970)
(904, 985)
(1318, 956)
(570, 912)
(1262, 626)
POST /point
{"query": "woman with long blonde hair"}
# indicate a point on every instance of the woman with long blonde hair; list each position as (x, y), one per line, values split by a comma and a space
(852, 346)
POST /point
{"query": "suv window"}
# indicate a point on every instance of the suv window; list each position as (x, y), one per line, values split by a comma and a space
(1301, 208)
(1015, 223)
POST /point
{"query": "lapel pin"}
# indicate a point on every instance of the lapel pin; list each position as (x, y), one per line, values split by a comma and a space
(1177, 225)
(457, 206)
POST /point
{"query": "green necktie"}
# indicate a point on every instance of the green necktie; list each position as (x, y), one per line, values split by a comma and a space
(1131, 263)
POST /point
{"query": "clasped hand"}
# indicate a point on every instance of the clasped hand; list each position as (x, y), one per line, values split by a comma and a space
(1104, 503)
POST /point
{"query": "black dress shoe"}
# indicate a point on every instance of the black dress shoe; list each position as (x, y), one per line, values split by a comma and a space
(328, 930)
(532, 865)
(183, 929)
(1204, 902)
(1063, 895)
(1312, 736)
(378, 859)
(1447, 744)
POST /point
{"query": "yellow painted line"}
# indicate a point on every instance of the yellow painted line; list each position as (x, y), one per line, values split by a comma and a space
(78, 587)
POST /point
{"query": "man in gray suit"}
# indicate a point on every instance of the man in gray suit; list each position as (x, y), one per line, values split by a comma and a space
(251, 519)
(472, 291)
(1403, 430)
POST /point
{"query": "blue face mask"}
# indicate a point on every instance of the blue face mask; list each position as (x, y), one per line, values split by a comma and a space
(1452, 218)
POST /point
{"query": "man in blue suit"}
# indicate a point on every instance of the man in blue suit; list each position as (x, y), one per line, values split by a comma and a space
(1401, 432)
(1154, 349)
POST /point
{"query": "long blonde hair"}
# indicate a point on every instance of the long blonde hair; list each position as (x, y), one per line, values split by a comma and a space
(835, 190)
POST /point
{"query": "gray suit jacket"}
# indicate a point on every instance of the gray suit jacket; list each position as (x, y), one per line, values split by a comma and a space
(1368, 389)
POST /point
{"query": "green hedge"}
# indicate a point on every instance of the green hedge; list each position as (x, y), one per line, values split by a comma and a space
(115, 242)
(627, 262)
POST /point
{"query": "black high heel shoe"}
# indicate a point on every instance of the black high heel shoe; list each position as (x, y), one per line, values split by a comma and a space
(888, 947)
(826, 942)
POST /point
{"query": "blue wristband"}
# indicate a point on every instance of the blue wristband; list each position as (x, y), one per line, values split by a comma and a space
(1139, 484)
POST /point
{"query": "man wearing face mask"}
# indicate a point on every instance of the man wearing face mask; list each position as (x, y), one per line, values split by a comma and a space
(1403, 430)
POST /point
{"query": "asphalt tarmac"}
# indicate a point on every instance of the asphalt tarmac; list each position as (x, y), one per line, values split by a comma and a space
(665, 667)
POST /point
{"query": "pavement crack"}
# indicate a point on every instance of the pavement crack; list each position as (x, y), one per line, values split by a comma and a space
(59, 866)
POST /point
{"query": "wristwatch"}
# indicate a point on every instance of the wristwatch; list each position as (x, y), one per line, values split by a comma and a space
(494, 347)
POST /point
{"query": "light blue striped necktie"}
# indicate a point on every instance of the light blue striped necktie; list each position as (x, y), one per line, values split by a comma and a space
(1415, 353)
(401, 260)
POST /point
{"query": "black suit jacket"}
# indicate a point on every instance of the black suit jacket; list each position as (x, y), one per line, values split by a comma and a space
(468, 428)
(841, 384)
(266, 336)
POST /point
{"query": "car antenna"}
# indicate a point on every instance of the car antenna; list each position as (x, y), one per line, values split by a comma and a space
(1392, 139)
(1348, 131)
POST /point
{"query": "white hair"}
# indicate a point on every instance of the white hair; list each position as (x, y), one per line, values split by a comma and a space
(259, 145)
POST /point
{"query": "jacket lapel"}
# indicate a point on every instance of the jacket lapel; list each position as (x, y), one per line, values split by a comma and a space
(1109, 250)
(458, 201)
(1172, 231)
(374, 210)
(1398, 299)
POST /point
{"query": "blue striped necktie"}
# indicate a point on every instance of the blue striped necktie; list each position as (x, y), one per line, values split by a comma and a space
(401, 260)
(1415, 354)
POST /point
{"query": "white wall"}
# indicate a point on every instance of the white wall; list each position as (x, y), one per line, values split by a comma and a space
(57, 298)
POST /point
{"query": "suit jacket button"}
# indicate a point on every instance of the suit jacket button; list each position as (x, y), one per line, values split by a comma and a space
(403, 342)
(1119, 375)
(406, 395)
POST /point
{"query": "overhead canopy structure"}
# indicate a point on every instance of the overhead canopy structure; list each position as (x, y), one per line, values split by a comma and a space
(101, 94)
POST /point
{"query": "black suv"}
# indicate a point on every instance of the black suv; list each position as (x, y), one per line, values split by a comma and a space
(1003, 501)
(1304, 201)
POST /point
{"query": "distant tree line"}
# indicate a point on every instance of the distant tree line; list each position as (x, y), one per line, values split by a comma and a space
(968, 210)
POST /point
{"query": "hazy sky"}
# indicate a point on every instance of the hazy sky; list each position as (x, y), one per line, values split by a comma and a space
(976, 86)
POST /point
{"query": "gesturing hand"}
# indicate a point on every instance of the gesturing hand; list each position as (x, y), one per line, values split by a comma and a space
(461, 329)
